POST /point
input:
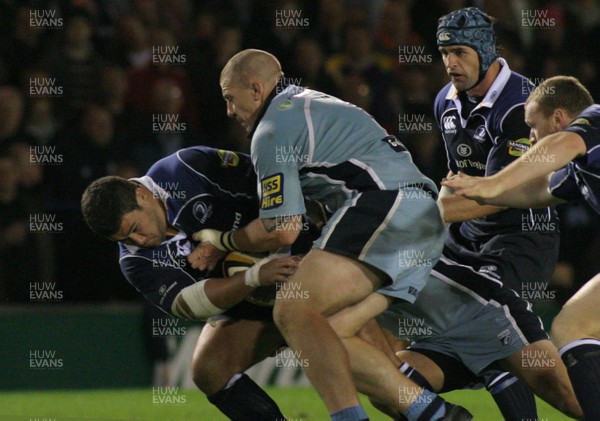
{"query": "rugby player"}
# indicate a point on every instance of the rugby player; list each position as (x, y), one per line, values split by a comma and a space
(308, 143)
(563, 165)
(153, 218)
(480, 116)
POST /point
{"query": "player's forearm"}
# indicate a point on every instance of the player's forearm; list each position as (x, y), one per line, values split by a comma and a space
(534, 194)
(227, 292)
(548, 155)
(254, 237)
(459, 209)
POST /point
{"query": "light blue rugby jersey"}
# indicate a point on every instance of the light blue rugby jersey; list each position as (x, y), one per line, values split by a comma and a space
(312, 144)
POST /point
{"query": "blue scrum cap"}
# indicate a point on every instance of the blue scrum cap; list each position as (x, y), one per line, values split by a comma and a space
(473, 28)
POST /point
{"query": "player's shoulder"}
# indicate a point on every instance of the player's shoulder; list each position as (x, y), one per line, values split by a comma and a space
(592, 113)
(516, 90)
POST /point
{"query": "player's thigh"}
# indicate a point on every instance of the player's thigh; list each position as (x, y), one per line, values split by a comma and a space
(329, 282)
(580, 316)
(229, 346)
(350, 320)
(538, 364)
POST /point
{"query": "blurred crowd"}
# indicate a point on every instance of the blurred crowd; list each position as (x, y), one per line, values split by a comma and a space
(96, 87)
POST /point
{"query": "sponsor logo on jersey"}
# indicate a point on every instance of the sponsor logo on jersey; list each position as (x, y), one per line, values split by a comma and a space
(464, 150)
(583, 121)
(518, 147)
(480, 134)
(228, 158)
(449, 124)
(272, 191)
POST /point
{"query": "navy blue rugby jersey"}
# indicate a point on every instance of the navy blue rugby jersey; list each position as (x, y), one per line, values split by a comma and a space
(484, 142)
(581, 177)
(201, 188)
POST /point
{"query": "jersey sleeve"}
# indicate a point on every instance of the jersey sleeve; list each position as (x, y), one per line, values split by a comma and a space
(279, 186)
(512, 142)
(563, 184)
(159, 284)
(588, 129)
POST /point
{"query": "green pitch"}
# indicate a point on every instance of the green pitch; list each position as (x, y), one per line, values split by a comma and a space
(187, 405)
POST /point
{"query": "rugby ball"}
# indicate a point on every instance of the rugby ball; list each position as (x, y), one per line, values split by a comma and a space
(236, 262)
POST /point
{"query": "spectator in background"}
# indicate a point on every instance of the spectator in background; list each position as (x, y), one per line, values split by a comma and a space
(131, 125)
(171, 131)
(308, 67)
(210, 53)
(330, 26)
(90, 150)
(12, 106)
(23, 46)
(132, 46)
(75, 66)
(390, 35)
(26, 253)
(167, 62)
(359, 61)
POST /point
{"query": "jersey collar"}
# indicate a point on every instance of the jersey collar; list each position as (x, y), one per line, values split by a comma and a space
(156, 190)
(492, 93)
(262, 112)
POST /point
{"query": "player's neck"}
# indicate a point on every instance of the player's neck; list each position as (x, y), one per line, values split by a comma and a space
(482, 87)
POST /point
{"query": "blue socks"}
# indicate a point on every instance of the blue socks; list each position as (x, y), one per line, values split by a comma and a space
(428, 406)
(353, 413)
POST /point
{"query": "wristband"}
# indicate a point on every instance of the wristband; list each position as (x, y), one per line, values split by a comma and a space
(223, 240)
(251, 276)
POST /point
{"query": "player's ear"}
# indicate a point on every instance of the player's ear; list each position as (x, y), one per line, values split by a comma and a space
(560, 118)
(257, 89)
(142, 195)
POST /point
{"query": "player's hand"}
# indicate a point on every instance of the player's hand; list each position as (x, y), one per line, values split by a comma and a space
(278, 270)
(480, 189)
(206, 255)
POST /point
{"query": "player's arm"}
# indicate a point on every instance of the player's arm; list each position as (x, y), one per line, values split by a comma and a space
(258, 236)
(456, 208)
(549, 154)
(212, 296)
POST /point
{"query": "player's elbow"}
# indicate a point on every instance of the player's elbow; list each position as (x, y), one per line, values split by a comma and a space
(283, 231)
(286, 237)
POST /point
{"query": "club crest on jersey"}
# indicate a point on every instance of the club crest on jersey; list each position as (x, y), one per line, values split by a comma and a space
(480, 134)
(518, 147)
(285, 105)
(272, 191)
(228, 158)
(202, 211)
(504, 337)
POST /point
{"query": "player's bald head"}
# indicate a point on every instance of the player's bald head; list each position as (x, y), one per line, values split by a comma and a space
(250, 66)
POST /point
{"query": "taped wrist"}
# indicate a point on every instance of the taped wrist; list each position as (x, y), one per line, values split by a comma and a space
(223, 240)
(251, 277)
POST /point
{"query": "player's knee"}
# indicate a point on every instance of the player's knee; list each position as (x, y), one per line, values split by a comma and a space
(287, 312)
(568, 326)
(208, 375)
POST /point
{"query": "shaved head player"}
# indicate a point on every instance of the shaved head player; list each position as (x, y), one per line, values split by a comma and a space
(307, 143)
